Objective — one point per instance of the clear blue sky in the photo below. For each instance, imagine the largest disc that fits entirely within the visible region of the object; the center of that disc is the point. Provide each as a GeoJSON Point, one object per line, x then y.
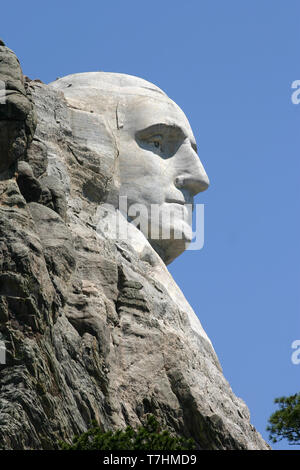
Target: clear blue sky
{"type": "Point", "coordinates": [229, 65]}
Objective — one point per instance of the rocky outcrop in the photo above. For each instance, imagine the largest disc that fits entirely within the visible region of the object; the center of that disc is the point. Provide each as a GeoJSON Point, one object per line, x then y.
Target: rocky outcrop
{"type": "Point", "coordinates": [17, 117]}
{"type": "Point", "coordinates": [92, 331]}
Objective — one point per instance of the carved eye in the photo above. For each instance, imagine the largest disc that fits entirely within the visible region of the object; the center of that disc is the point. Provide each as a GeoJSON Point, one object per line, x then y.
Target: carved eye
{"type": "Point", "coordinates": [156, 140]}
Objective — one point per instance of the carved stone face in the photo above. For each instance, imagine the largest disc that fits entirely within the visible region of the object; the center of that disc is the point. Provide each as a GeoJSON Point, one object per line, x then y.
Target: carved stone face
{"type": "Point", "coordinates": [157, 156]}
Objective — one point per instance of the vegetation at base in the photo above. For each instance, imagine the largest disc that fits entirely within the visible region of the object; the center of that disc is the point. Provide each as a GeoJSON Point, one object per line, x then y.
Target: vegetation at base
{"type": "Point", "coordinates": [147, 437]}
{"type": "Point", "coordinates": [285, 422]}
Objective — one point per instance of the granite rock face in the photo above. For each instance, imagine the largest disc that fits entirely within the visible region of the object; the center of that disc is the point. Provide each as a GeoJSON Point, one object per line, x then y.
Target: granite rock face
{"type": "Point", "coordinates": [93, 331]}
{"type": "Point", "coordinates": [17, 116]}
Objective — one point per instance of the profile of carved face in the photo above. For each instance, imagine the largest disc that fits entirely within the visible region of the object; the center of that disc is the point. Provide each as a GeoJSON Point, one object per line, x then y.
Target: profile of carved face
{"type": "Point", "coordinates": [155, 164]}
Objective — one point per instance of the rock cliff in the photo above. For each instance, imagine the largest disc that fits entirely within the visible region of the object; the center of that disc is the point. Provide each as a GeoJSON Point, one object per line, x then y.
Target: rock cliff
{"type": "Point", "coordinates": [93, 331]}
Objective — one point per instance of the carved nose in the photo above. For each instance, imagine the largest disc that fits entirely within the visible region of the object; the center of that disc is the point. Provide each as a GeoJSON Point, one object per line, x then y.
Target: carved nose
{"type": "Point", "coordinates": [190, 173]}
{"type": "Point", "coordinates": [195, 184]}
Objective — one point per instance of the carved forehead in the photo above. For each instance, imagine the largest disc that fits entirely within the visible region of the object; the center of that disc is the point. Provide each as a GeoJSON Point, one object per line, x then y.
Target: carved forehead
{"type": "Point", "coordinates": [99, 90]}
{"type": "Point", "coordinates": [132, 100]}
{"type": "Point", "coordinates": [142, 112]}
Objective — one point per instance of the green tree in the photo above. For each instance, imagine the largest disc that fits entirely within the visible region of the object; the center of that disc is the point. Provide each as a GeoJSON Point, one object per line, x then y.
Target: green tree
{"type": "Point", "coordinates": [285, 422]}
{"type": "Point", "coordinates": [148, 437]}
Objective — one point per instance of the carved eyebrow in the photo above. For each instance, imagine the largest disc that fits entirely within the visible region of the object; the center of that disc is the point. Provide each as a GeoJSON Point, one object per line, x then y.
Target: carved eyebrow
{"type": "Point", "coordinates": [194, 146]}
{"type": "Point", "coordinates": [160, 128]}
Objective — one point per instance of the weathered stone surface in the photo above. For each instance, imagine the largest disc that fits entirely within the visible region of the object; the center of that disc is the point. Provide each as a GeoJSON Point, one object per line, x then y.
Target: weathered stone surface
{"type": "Point", "coordinates": [95, 328]}
{"type": "Point", "coordinates": [17, 117]}
{"type": "Point", "coordinates": [29, 186]}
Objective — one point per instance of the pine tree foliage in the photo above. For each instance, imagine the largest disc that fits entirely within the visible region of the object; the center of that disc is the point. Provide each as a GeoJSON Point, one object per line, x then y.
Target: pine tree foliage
{"type": "Point", "coordinates": [147, 437]}
{"type": "Point", "coordinates": [285, 422]}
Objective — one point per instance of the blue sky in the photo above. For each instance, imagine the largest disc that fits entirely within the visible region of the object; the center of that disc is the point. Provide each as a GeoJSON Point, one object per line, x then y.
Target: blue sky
{"type": "Point", "coordinates": [230, 66]}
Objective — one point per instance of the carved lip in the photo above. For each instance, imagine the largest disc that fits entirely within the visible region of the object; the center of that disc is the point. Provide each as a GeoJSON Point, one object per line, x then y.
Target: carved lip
{"type": "Point", "coordinates": [175, 201]}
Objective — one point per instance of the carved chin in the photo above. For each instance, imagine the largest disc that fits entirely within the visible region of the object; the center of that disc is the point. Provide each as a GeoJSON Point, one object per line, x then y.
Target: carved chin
{"type": "Point", "coordinates": [180, 235]}
{"type": "Point", "coordinates": [168, 250]}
